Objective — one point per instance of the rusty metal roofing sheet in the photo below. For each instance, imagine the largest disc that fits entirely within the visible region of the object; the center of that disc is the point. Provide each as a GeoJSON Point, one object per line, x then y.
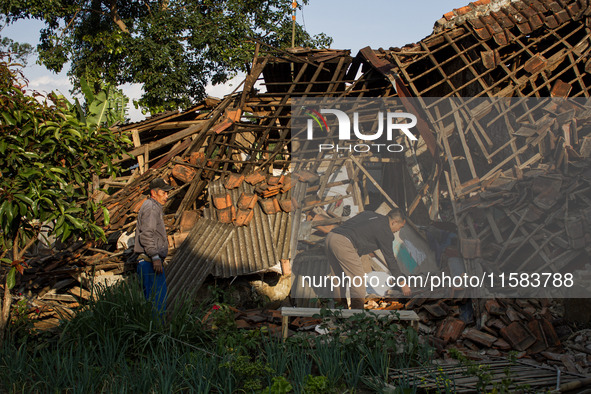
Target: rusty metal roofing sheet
{"type": "Point", "coordinates": [197, 255]}
{"type": "Point", "coordinates": [257, 247]}
{"type": "Point", "coordinates": [314, 263]}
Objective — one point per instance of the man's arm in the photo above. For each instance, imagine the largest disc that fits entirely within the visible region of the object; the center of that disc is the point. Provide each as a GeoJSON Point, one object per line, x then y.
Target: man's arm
{"type": "Point", "coordinates": [385, 239]}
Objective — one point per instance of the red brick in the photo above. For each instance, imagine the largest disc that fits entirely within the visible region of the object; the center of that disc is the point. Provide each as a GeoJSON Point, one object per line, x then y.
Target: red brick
{"type": "Point", "coordinates": [562, 16]}
{"type": "Point", "coordinates": [488, 59]}
{"type": "Point", "coordinates": [554, 7]}
{"type": "Point", "coordinates": [503, 19]}
{"type": "Point", "coordinates": [255, 177]}
{"type": "Point", "coordinates": [222, 201]}
{"type": "Point", "coordinates": [307, 177]}
{"type": "Point", "coordinates": [275, 180]}
{"type": "Point", "coordinates": [540, 344]}
{"type": "Point", "coordinates": [538, 6]}
{"type": "Point", "coordinates": [502, 344]}
{"type": "Point", "coordinates": [573, 10]}
{"type": "Point", "coordinates": [493, 307]}
{"type": "Point", "coordinates": [528, 12]}
{"type": "Point", "coordinates": [536, 22]}
{"type": "Point", "coordinates": [233, 181]}
{"type": "Point", "coordinates": [551, 22]}
{"type": "Point", "coordinates": [524, 28]}
{"type": "Point", "coordinates": [476, 23]}
{"type": "Point", "coordinates": [450, 329]}
{"type": "Point", "coordinates": [535, 64]}
{"type": "Point", "coordinates": [244, 217]}
{"type": "Point", "coordinates": [560, 89]}
{"type": "Point", "coordinates": [501, 39]}
{"type": "Point", "coordinates": [218, 128]}
{"type": "Point", "coordinates": [463, 10]}
{"type": "Point", "coordinates": [227, 215]}
{"type": "Point", "coordinates": [449, 16]}
{"type": "Point", "coordinates": [435, 310]}
{"type": "Point", "coordinates": [480, 337]}
{"type": "Point", "coordinates": [247, 201]}
{"type": "Point", "coordinates": [183, 173]}
{"type": "Point", "coordinates": [518, 336]}
{"type": "Point", "coordinates": [270, 205]}
{"type": "Point", "coordinates": [285, 205]}
{"type": "Point", "coordinates": [197, 158]}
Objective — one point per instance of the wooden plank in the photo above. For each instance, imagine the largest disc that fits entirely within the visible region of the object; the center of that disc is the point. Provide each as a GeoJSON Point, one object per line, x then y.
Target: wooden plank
{"type": "Point", "coordinates": [135, 136]}
{"type": "Point", "coordinates": [493, 226]}
{"type": "Point", "coordinates": [146, 158]}
{"type": "Point", "coordinates": [171, 139]}
{"type": "Point", "coordinates": [374, 182]}
{"type": "Point", "coordinates": [460, 131]}
{"type": "Point", "coordinates": [357, 199]}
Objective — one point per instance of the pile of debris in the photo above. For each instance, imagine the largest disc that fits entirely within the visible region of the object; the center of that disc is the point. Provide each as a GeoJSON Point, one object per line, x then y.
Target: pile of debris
{"type": "Point", "coordinates": [54, 286]}
{"type": "Point", "coordinates": [512, 175]}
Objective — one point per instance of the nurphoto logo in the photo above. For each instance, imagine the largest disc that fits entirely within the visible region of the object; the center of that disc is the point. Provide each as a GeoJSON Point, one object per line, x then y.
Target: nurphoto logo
{"type": "Point", "coordinates": [392, 122]}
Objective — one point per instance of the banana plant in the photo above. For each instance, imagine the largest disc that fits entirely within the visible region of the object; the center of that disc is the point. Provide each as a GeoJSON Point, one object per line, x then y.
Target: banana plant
{"type": "Point", "coordinates": [106, 107]}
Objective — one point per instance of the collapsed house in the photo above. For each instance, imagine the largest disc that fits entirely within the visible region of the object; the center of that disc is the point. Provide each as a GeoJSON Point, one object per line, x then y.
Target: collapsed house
{"type": "Point", "coordinates": [518, 196]}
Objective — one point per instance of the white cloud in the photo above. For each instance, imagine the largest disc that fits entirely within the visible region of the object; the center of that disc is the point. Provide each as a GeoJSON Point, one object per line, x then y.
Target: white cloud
{"type": "Point", "coordinates": [47, 82]}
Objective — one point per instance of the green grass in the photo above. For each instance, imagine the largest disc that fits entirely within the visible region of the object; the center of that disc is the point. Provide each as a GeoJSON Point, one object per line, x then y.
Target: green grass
{"type": "Point", "coordinates": [118, 344]}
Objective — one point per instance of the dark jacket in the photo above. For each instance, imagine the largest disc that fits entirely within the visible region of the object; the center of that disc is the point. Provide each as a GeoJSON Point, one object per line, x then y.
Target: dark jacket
{"type": "Point", "coordinates": [150, 233]}
{"type": "Point", "coordinates": [369, 231]}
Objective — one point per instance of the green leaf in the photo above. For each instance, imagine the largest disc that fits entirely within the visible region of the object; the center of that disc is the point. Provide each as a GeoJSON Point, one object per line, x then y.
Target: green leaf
{"type": "Point", "coordinates": [66, 234]}
{"type": "Point", "coordinates": [8, 119]}
{"type": "Point", "coordinates": [74, 221]}
{"type": "Point", "coordinates": [11, 278]}
{"type": "Point", "coordinates": [24, 198]}
{"type": "Point", "coordinates": [106, 216]}
{"type": "Point", "coordinates": [86, 90]}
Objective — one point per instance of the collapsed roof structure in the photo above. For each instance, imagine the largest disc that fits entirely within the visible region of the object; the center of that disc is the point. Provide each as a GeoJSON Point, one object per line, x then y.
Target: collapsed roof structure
{"type": "Point", "coordinates": [468, 156]}
{"type": "Point", "coordinates": [231, 160]}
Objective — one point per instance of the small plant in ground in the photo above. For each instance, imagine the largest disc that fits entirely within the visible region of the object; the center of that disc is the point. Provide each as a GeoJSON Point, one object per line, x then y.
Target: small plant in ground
{"type": "Point", "coordinates": [316, 384]}
{"type": "Point", "coordinates": [250, 373]}
{"type": "Point", "coordinates": [280, 385]}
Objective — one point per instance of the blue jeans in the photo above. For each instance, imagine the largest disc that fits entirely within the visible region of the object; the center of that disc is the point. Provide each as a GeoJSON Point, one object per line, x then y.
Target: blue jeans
{"type": "Point", "coordinates": [154, 285]}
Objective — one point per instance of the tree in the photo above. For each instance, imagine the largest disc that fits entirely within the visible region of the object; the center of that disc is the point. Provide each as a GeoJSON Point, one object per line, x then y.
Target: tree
{"type": "Point", "coordinates": [49, 153]}
{"type": "Point", "coordinates": [20, 51]}
{"type": "Point", "coordinates": [171, 47]}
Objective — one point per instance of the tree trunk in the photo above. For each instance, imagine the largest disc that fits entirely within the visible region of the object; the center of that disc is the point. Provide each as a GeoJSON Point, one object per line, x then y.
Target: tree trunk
{"type": "Point", "coordinates": [5, 311]}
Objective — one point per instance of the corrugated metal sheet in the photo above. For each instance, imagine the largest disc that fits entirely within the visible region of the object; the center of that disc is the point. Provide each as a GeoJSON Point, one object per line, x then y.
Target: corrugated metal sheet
{"type": "Point", "coordinates": [257, 247]}
{"type": "Point", "coordinates": [314, 263]}
{"type": "Point", "coordinates": [194, 260]}
{"type": "Point", "coordinates": [281, 225]}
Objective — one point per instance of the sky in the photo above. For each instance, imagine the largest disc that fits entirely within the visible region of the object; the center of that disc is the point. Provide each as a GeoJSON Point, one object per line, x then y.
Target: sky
{"type": "Point", "coordinates": [352, 24]}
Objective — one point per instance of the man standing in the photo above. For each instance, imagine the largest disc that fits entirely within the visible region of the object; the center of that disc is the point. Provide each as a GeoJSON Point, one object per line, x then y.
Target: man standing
{"type": "Point", "coordinates": [151, 243]}
{"type": "Point", "coordinates": [362, 234]}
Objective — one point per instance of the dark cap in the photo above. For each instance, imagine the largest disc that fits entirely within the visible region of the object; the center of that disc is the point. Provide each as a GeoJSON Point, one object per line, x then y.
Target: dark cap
{"type": "Point", "coordinates": [159, 183]}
